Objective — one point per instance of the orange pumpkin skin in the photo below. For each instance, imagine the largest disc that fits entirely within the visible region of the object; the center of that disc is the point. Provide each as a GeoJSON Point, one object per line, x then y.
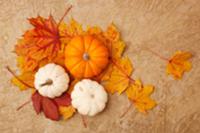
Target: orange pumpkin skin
{"type": "Point", "coordinates": [86, 56]}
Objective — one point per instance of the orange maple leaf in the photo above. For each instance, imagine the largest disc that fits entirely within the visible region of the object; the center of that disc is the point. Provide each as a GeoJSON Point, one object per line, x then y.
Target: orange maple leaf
{"type": "Point", "coordinates": [43, 41]}
{"type": "Point", "coordinates": [179, 64]}
{"type": "Point", "coordinates": [140, 96]}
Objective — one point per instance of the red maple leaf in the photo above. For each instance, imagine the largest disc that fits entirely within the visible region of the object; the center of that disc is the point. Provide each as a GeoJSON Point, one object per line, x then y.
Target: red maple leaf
{"type": "Point", "coordinates": [50, 106]}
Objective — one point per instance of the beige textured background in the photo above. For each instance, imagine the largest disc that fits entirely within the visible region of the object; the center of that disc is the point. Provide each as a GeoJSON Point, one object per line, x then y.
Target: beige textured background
{"type": "Point", "coordinates": [162, 25]}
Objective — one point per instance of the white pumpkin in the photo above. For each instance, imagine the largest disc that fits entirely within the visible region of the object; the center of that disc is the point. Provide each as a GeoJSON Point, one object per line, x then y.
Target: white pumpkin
{"type": "Point", "coordinates": [89, 97]}
{"type": "Point", "coordinates": [51, 80]}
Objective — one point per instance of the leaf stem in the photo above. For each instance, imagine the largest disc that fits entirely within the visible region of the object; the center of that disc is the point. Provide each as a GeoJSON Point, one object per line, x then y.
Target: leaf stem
{"type": "Point", "coordinates": [21, 106]}
{"type": "Point", "coordinates": [126, 111]}
{"type": "Point", "coordinates": [66, 12]}
{"type": "Point", "coordinates": [84, 121]}
{"type": "Point", "coordinates": [27, 85]}
{"type": "Point", "coordinates": [158, 55]}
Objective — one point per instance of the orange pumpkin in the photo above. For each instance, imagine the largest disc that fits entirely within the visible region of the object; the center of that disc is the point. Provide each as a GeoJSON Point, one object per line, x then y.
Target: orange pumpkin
{"type": "Point", "coordinates": [86, 56]}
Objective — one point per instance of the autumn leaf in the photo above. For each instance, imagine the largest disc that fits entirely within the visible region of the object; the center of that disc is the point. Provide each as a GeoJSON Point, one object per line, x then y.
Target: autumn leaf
{"type": "Point", "coordinates": [68, 31]}
{"type": "Point", "coordinates": [112, 33]}
{"type": "Point", "coordinates": [179, 64]}
{"type": "Point", "coordinates": [50, 109]}
{"type": "Point", "coordinates": [105, 74]}
{"type": "Point", "coordinates": [24, 80]}
{"type": "Point", "coordinates": [140, 96]}
{"type": "Point", "coordinates": [95, 30]}
{"type": "Point", "coordinates": [72, 84]}
{"type": "Point", "coordinates": [63, 100]}
{"type": "Point", "coordinates": [66, 112]}
{"type": "Point", "coordinates": [43, 41]}
{"type": "Point", "coordinates": [26, 64]}
{"type": "Point", "coordinates": [37, 102]}
{"type": "Point", "coordinates": [120, 76]}
{"type": "Point", "coordinates": [115, 45]}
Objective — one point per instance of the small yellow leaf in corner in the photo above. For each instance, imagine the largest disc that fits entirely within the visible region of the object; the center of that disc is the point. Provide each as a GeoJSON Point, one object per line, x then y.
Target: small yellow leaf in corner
{"type": "Point", "coordinates": [179, 64]}
{"type": "Point", "coordinates": [140, 96]}
{"type": "Point", "coordinates": [66, 112]}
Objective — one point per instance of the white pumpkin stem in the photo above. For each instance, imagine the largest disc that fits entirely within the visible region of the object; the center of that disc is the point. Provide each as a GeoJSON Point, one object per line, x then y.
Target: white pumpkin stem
{"type": "Point", "coordinates": [48, 82]}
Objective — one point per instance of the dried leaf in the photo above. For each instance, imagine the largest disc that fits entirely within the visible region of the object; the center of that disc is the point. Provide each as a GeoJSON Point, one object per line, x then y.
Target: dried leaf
{"type": "Point", "coordinates": [66, 112]}
{"type": "Point", "coordinates": [64, 100]}
{"type": "Point", "coordinates": [120, 76]}
{"type": "Point", "coordinates": [71, 87]}
{"type": "Point", "coordinates": [115, 45]}
{"type": "Point", "coordinates": [24, 81]}
{"type": "Point", "coordinates": [37, 102]}
{"type": "Point", "coordinates": [67, 31]}
{"type": "Point", "coordinates": [112, 33]}
{"type": "Point", "coordinates": [41, 42]}
{"type": "Point", "coordinates": [26, 64]}
{"type": "Point", "coordinates": [50, 109]}
{"type": "Point", "coordinates": [140, 96]}
{"type": "Point", "coordinates": [94, 30]}
{"type": "Point", "coordinates": [105, 74]}
{"type": "Point", "coordinates": [179, 64]}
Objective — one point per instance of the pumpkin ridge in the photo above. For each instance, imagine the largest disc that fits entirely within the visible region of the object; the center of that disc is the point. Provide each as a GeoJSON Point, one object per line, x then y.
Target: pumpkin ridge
{"type": "Point", "coordinates": [92, 63]}
{"type": "Point", "coordinates": [87, 68]}
{"type": "Point", "coordinates": [87, 50]}
{"type": "Point", "coordinates": [92, 43]}
{"type": "Point", "coordinates": [77, 65]}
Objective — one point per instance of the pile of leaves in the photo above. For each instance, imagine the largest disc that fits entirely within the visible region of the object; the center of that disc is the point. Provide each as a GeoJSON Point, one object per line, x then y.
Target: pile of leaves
{"type": "Point", "coordinates": [45, 43]}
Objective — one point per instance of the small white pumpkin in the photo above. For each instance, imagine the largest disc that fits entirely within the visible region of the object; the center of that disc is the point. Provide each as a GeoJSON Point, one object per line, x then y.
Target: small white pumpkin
{"type": "Point", "coordinates": [51, 80]}
{"type": "Point", "coordinates": [89, 97]}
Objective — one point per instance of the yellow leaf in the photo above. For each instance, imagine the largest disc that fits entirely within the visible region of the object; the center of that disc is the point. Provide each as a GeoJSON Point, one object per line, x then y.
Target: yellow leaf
{"type": "Point", "coordinates": [64, 35]}
{"type": "Point", "coordinates": [94, 30]}
{"type": "Point", "coordinates": [26, 64]}
{"type": "Point", "coordinates": [105, 74]}
{"type": "Point", "coordinates": [71, 29]}
{"type": "Point", "coordinates": [112, 33]}
{"type": "Point", "coordinates": [117, 49]}
{"type": "Point", "coordinates": [140, 96]}
{"type": "Point", "coordinates": [120, 76]}
{"type": "Point", "coordinates": [66, 112]}
{"type": "Point", "coordinates": [72, 83]}
{"type": "Point", "coordinates": [24, 81]}
{"type": "Point", "coordinates": [179, 64]}
{"type": "Point", "coordinates": [115, 45]}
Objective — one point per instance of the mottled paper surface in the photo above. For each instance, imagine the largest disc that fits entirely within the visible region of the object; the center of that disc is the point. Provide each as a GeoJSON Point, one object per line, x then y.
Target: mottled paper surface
{"type": "Point", "coordinates": [162, 25]}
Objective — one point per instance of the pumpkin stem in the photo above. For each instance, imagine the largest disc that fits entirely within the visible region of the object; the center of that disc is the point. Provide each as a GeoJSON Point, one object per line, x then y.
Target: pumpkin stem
{"type": "Point", "coordinates": [86, 56]}
{"type": "Point", "coordinates": [48, 82]}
